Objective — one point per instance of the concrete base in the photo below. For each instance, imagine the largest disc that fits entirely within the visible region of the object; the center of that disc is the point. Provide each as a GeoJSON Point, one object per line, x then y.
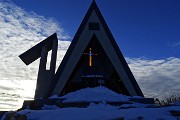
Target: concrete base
{"type": "Point", "coordinates": [143, 100]}
{"type": "Point", "coordinates": [39, 103]}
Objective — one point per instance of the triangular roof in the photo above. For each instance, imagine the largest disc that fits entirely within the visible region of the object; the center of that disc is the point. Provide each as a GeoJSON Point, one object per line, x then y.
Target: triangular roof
{"type": "Point", "coordinates": [79, 44]}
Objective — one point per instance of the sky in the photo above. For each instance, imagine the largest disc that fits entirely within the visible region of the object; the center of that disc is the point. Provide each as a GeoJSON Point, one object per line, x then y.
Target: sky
{"type": "Point", "coordinates": [147, 33]}
{"type": "Point", "coordinates": [149, 28]}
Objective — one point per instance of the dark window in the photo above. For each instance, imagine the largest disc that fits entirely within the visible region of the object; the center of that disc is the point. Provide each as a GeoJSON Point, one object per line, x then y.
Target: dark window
{"type": "Point", "coordinates": [94, 26]}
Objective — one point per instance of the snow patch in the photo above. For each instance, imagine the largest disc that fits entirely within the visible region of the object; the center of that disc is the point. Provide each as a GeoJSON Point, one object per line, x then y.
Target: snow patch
{"type": "Point", "coordinates": [96, 94]}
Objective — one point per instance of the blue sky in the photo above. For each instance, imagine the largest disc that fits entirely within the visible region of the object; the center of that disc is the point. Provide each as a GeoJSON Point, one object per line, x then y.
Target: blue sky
{"type": "Point", "coordinates": [142, 28]}
{"type": "Point", "coordinates": [147, 32]}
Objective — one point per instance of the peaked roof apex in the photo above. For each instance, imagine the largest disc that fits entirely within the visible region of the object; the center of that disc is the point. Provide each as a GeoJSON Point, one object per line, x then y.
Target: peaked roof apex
{"type": "Point", "coordinates": [67, 65]}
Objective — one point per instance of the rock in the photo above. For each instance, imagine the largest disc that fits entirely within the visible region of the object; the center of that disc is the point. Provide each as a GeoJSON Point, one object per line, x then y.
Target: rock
{"type": "Point", "coordinates": [10, 115]}
{"type": "Point", "coordinates": [14, 116]}
{"type": "Point", "coordinates": [21, 117]}
{"type": "Point", "coordinates": [175, 113]}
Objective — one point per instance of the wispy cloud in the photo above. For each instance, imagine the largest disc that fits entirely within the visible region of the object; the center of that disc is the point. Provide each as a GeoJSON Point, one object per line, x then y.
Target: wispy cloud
{"type": "Point", "coordinates": [156, 77]}
{"type": "Point", "coordinates": [175, 44]}
{"type": "Point", "coordinates": [19, 31]}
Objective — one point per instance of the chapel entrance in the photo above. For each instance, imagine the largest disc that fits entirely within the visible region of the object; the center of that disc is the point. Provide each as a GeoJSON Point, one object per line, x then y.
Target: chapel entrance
{"type": "Point", "coordinates": [93, 80]}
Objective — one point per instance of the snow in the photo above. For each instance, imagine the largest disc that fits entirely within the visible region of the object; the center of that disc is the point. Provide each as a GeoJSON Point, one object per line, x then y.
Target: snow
{"type": "Point", "coordinates": [99, 94]}
{"type": "Point", "coordinates": [177, 103]}
{"type": "Point", "coordinates": [135, 105]}
{"type": "Point", "coordinates": [50, 107]}
{"type": "Point", "coordinates": [100, 110]}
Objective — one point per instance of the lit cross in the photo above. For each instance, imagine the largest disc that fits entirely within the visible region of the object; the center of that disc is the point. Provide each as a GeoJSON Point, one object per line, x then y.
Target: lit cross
{"type": "Point", "coordinates": [90, 56]}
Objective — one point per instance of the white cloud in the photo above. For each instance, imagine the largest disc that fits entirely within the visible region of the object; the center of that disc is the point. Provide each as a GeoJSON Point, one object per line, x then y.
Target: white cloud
{"type": "Point", "coordinates": [19, 31]}
{"type": "Point", "coordinates": [156, 77]}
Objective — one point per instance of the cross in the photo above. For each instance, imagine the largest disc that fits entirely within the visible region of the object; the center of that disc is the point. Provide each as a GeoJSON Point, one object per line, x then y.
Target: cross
{"type": "Point", "coordinates": [90, 56]}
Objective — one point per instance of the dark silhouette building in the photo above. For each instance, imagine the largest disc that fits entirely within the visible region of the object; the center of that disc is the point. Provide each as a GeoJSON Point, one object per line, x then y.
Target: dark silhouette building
{"type": "Point", "coordinates": [93, 59]}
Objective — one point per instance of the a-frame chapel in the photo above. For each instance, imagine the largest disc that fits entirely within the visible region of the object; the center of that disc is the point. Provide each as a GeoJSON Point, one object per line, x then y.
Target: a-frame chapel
{"type": "Point", "coordinates": [92, 59]}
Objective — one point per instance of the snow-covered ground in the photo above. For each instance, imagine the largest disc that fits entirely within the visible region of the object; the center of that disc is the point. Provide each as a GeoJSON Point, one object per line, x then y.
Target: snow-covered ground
{"type": "Point", "coordinates": [102, 110]}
